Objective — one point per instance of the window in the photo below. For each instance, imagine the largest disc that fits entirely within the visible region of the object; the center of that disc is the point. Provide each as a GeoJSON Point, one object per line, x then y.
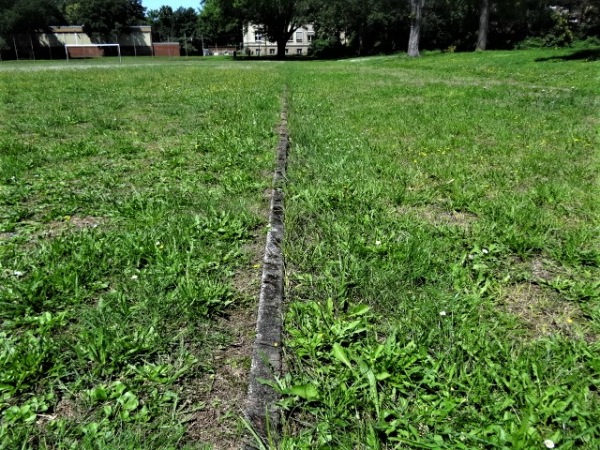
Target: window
{"type": "Point", "coordinates": [258, 51]}
{"type": "Point", "coordinates": [309, 37]}
{"type": "Point", "coordinates": [299, 51]}
{"type": "Point", "coordinates": [258, 37]}
{"type": "Point", "coordinates": [287, 50]}
{"type": "Point", "coordinates": [271, 51]}
{"type": "Point", "coordinates": [299, 37]}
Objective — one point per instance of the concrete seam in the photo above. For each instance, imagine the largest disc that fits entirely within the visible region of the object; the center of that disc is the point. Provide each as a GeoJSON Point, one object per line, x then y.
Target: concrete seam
{"type": "Point", "coordinates": [261, 412]}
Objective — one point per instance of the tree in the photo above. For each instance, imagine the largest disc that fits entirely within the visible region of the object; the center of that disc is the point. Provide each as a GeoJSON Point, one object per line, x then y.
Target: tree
{"type": "Point", "coordinates": [180, 25]}
{"type": "Point", "coordinates": [25, 16]}
{"type": "Point", "coordinates": [162, 23]}
{"type": "Point", "coordinates": [108, 17]}
{"type": "Point", "coordinates": [484, 23]}
{"type": "Point", "coordinates": [185, 23]}
{"type": "Point", "coordinates": [277, 19]}
{"type": "Point", "coordinates": [416, 19]}
{"type": "Point", "coordinates": [218, 23]}
{"type": "Point", "coordinates": [367, 25]}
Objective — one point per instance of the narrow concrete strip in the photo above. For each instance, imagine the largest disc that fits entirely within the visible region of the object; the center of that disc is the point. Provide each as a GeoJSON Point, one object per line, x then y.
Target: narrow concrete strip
{"type": "Point", "coordinates": [261, 412]}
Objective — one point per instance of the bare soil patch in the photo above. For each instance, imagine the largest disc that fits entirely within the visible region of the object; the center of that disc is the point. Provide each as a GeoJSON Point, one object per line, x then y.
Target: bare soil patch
{"type": "Point", "coordinates": [7, 236]}
{"type": "Point", "coordinates": [544, 313]}
{"type": "Point", "coordinates": [56, 228]}
{"type": "Point", "coordinates": [439, 216]}
{"type": "Point", "coordinates": [540, 270]}
{"type": "Point", "coordinates": [223, 392]}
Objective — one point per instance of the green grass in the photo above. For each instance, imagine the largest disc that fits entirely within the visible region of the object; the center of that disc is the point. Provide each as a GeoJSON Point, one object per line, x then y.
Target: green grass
{"type": "Point", "coordinates": [455, 196]}
{"type": "Point", "coordinates": [442, 250]}
{"type": "Point", "coordinates": [130, 201]}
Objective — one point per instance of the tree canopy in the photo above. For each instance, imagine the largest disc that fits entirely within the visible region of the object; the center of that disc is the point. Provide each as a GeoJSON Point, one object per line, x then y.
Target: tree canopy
{"type": "Point", "coordinates": [277, 19]}
{"type": "Point", "coordinates": [219, 24]}
{"type": "Point", "coordinates": [372, 26]}
{"type": "Point", "coordinates": [176, 25]}
{"type": "Point", "coordinates": [27, 15]}
{"type": "Point", "coordinates": [341, 26]}
{"type": "Point", "coordinates": [105, 17]}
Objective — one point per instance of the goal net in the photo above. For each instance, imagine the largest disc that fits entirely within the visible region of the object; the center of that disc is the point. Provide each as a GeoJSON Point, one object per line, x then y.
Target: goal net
{"type": "Point", "coordinates": [92, 50]}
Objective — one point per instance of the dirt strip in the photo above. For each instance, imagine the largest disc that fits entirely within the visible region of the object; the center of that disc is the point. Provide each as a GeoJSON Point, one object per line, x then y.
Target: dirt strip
{"type": "Point", "coordinates": [261, 412]}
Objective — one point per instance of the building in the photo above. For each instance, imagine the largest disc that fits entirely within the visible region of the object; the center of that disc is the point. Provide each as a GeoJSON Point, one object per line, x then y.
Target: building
{"type": "Point", "coordinates": [216, 50]}
{"type": "Point", "coordinates": [50, 43]}
{"type": "Point", "coordinates": [255, 43]}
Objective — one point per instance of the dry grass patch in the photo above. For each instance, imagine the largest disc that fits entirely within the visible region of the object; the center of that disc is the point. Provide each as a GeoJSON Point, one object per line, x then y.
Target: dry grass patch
{"type": "Point", "coordinates": [70, 223]}
{"type": "Point", "coordinates": [438, 216]}
{"type": "Point", "coordinates": [544, 313]}
{"type": "Point", "coordinates": [7, 236]}
{"type": "Point", "coordinates": [540, 270]}
{"type": "Point", "coordinates": [34, 230]}
{"type": "Point", "coordinates": [223, 392]}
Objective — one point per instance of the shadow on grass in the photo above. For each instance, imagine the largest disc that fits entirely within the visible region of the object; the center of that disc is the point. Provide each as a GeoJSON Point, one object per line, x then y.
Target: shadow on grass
{"type": "Point", "coordinates": [589, 54]}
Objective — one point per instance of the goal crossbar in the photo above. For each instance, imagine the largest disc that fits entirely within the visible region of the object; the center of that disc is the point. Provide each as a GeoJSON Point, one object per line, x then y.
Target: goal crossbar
{"type": "Point", "coordinates": [68, 46]}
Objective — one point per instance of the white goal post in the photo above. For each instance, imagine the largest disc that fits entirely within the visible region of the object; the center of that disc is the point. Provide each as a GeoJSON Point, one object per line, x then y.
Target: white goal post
{"type": "Point", "coordinates": [68, 46]}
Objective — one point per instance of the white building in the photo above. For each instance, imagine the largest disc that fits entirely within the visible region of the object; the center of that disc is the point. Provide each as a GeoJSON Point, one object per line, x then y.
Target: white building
{"type": "Point", "coordinates": [256, 44]}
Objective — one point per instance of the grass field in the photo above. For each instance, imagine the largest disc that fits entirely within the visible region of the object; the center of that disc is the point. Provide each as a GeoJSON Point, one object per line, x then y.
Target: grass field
{"type": "Point", "coordinates": [442, 251]}
{"type": "Point", "coordinates": [131, 222]}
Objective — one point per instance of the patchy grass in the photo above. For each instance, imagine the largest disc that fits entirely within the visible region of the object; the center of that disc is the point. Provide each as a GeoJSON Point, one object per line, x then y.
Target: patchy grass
{"type": "Point", "coordinates": [544, 313]}
{"type": "Point", "coordinates": [131, 201]}
{"type": "Point", "coordinates": [443, 253]}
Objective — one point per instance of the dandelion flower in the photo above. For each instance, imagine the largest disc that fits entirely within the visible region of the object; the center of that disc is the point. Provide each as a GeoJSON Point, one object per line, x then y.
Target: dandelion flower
{"type": "Point", "coordinates": [442, 313]}
{"type": "Point", "coordinates": [377, 242]}
{"type": "Point", "coordinates": [549, 443]}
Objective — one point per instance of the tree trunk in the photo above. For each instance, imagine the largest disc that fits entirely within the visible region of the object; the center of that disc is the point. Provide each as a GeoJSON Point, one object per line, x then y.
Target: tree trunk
{"type": "Point", "coordinates": [416, 15]}
{"type": "Point", "coordinates": [281, 43]}
{"type": "Point", "coordinates": [484, 23]}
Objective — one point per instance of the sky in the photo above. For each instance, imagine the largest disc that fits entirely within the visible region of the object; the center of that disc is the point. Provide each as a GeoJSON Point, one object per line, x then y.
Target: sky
{"type": "Point", "coordinates": [155, 4]}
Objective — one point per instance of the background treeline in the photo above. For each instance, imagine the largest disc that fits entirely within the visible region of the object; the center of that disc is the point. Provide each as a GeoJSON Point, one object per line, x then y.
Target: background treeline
{"type": "Point", "coordinates": [379, 26]}
{"type": "Point", "coordinates": [342, 26]}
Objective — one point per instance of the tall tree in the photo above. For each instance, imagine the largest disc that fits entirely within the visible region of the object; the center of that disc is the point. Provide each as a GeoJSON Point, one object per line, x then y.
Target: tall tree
{"type": "Point", "coordinates": [108, 17]}
{"type": "Point", "coordinates": [179, 25]}
{"type": "Point", "coordinates": [277, 19]}
{"type": "Point", "coordinates": [185, 21]}
{"type": "Point", "coordinates": [367, 25]}
{"type": "Point", "coordinates": [484, 23]}
{"type": "Point", "coordinates": [416, 19]}
{"type": "Point", "coordinates": [24, 16]}
{"type": "Point", "coordinates": [218, 23]}
{"type": "Point", "coordinates": [162, 23]}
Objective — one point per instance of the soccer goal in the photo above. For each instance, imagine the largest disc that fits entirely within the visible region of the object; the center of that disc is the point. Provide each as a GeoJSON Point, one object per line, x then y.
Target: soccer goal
{"type": "Point", "coordinates": [89, 50]}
